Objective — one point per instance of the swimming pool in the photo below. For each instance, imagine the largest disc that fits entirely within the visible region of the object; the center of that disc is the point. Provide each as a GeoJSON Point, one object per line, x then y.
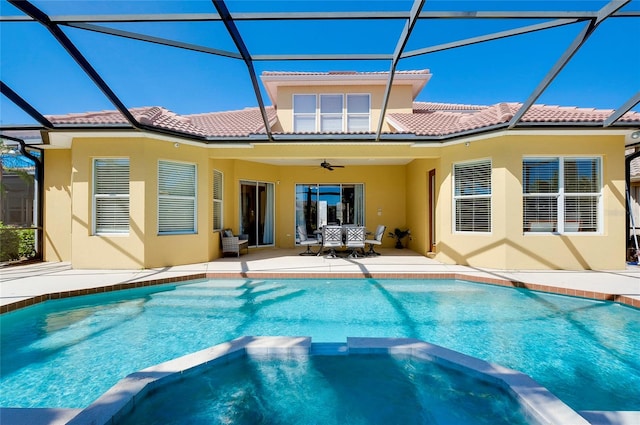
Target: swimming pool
{"type": "Point", "coordinates": [68, 352]}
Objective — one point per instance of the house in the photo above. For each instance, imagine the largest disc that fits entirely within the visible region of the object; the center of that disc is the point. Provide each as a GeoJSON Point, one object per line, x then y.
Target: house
{"type": "Point", "coordinates": [549, 194]}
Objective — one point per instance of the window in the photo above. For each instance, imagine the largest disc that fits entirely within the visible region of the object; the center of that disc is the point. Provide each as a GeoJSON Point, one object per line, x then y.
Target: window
{"type": "Point", "coordinates": [304, 112]}
{"type": "Point", "coordinates": [176, 197]}
{"type": "Point", "coordinates": [217, 200]}
{"type": "Point", "coordinates": [561, 195]}
{"type": "Point", "coordinates": [358, 112]}
{"type": "Point", "coordinates": [331, 112]}
{"type": "Point", "coordinates": [111, 196]}
{"type": "Point", "coordinates": [331, 115]}
{"type": "Point", "coordinates": [472, 196]}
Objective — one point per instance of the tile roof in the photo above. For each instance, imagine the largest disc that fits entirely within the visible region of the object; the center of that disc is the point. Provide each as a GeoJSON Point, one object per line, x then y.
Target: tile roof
{"type": "Point", "coordinates": [427, 119]}
{"type": "Point", "coordinates": [439, 119]}
{"type": "Point", "coordinates": [233, 123]}
{"type": "Point", "coordinates": [214, 124]}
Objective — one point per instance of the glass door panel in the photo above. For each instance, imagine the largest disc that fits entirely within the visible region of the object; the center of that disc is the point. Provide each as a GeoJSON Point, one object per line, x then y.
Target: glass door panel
{"type": "Point", "coordinates": [320, 204]}
{"type": "Point", "coordinates": [257, 212]}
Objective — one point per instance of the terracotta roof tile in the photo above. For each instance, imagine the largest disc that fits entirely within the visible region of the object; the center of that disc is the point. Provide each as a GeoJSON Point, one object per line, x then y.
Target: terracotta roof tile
{"type": "Point", "coordinates": [233, 123]}
{"type": "Point", "coordinates": [427, 119]}
{"type": "Point", "coordinates": [153, 116]}
{"type": "Point", "coordinates": [438, 119]}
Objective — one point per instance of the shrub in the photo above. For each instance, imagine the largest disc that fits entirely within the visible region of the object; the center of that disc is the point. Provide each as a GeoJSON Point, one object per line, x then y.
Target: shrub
{"type": "Point", "coordinates": [16, 244]}
{"type": "Point", "coordinates": [9, 244]}
{"type": "Point", "coordinates": [27, 247]}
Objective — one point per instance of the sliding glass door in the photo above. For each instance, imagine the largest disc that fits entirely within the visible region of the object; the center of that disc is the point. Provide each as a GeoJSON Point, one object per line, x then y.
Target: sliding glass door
{"type": "Point", "coordinates": [257, 212]}
{"type": "Point", "coordinates": [321, 204]}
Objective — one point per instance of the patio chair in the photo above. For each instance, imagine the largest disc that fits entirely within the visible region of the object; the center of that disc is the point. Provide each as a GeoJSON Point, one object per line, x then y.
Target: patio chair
{"type": "Point", "coordinates": [377, 240]}
{"type": "Point", "coordinates": [331, 239]}
{"type": "Point", "coordinates": [355, 240]}
{"type": "Point", "coordinates": [232, 244]}
{"type": "Point", "coordinates": [305, 241]}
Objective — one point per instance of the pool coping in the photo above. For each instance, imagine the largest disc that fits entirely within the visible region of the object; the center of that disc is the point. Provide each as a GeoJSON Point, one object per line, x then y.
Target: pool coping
{"type": "Point", "coordinates": [538, 404]}
{"type": "Point", "coordinates": [512, 283]}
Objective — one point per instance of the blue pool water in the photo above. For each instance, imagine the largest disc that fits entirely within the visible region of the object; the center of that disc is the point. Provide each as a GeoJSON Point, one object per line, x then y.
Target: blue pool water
{"type": "Point", "coordinates": [68, 352]}
{"type": "Point", "coordinates": [328, 390]}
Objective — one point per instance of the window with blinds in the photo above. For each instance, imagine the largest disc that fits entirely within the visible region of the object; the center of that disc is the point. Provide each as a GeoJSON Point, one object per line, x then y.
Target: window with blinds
{"type": "Point", "coordinates": [358, 112]}
{"type": "Point", "coordinates": [110, 196]}
{"type": "Point", "coordinates": [472, 196]}
{"type": "Point", "coordinates": [332, 113]}
{"type": "Point", "coordinates": [561, 195]}
{"type": "Point", "coordinates": [304, 112]}
{"type": "Point", "coordinates": [176, 197]}
{"type": "Point", "coordinates": [217, 200]}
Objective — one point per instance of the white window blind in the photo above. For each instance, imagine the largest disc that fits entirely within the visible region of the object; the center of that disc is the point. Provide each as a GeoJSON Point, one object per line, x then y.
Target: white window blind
{"type": "Point", "coordinates": [176, 197]}
{"type": "Point", "coordinates": [582, 194]}
{"type": "Point", "coordinates": [540, 179]}
{"type": "Point", "coordinates": [472, 196]}
{"type": "Point", "coordinates": [561, 195]}
{"type": "Point", "coordinates": [331, 112]}
{"type": "Point", "coordinates": [358, 112]}
{"type": "Point", "coordinates": [111, 195]}
{"type": "Point", "coordinates": [217, 200]}
{"type": "Point", "coordinates": [304, 112]}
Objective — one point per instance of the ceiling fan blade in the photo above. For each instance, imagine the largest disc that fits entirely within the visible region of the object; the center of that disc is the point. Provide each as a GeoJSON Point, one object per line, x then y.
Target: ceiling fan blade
{"type": "Point", "coordinates": [328, 166]}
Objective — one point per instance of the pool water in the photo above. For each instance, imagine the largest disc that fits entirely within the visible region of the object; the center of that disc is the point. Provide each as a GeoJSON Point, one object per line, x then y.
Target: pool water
{"type": "Point", "coordinates": [327, 390]}
{"type": "Point", "coordinates": [66, 353]}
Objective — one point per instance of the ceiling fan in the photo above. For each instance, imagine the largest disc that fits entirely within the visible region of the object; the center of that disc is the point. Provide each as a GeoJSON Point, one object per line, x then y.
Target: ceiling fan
{"type": "Point", "coordinates": [328, 166]}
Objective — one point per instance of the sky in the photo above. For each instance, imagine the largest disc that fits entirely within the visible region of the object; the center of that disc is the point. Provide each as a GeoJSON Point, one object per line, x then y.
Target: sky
{"type": "Point", "coordinates": [603, 74]}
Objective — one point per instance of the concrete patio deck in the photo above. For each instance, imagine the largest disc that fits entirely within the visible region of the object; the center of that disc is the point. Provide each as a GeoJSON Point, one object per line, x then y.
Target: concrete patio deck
{"type": "Point", "coordinates": [33, 283]}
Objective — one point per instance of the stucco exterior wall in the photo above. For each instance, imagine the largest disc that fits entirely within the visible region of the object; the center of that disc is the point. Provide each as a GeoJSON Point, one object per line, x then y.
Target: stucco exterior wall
{"type": "Point", "coordinates": [507, 246]}
{"type": "Point", "coordinates": [418, 202]}
{"type": "Point", "coordinates": [395, 195]}
{"type": "Point", "coordinates": [57, 205]}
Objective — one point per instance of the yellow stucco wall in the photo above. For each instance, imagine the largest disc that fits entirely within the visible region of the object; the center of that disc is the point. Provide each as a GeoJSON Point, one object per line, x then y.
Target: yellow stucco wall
{"type": "Point", "coordinates": [395, 195]}
{"type": "Point", "coordinates": [418, 202]}
{"type": "Point", "coordinates": [400, 100]}
{"type": "Point", "coordinates": [57, 205]}
{"type": "Point", "coordinates": [507, 246]}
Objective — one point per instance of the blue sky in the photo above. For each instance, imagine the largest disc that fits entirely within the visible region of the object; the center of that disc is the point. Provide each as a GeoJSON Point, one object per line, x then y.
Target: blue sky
{"type": "Point", "coordinates": [603, 74]}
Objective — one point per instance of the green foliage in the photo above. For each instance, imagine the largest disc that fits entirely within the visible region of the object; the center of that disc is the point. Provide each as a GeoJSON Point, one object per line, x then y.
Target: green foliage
{"type": "Point", "coordinates": [399, 235]}
{"type": "Point", "coordinates": [16, 244]}
{"type": "Point", "coordinates": [27, 247]}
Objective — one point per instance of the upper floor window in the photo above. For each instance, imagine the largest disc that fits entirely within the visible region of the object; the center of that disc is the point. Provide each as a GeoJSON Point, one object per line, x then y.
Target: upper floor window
{"type": "Point", "coordinates": [110, 195]}
{"type": "Point", "coordinates": [561, 195]}
{"type": "Point", "coordinates": [331, 112]}
{"type": "Point", "coordinates": [472, 196]}
{"type": "Point", "coordinates": [176, 197]}
{"type": "Point", "coordinates": [304, 113]}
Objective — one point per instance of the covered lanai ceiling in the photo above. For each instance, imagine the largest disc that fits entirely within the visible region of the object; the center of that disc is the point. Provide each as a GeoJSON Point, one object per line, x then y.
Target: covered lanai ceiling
{"type": "Point", "coordinates": [194, 57]}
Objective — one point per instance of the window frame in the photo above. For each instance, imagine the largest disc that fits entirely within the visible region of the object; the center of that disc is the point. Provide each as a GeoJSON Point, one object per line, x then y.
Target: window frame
{"type": "Point", "coordinates": [218, 201]}
{"type": "Point", "coordinates": [357, 114]}
{"type": "Point", "coordinates": [193, 198]}
{"type": "Point", "coordinates": [561, 196]}
{"type": "Point", "coordinates": [462, 197]}
{"type": "Point", "coordinates": [304, 114]}
{"type": "Point", "coordinates": [318, 115]}
{"type": "Point", "coordinates": [109, 196]}
{"type": "Point", "coordinates": [321, 114]}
